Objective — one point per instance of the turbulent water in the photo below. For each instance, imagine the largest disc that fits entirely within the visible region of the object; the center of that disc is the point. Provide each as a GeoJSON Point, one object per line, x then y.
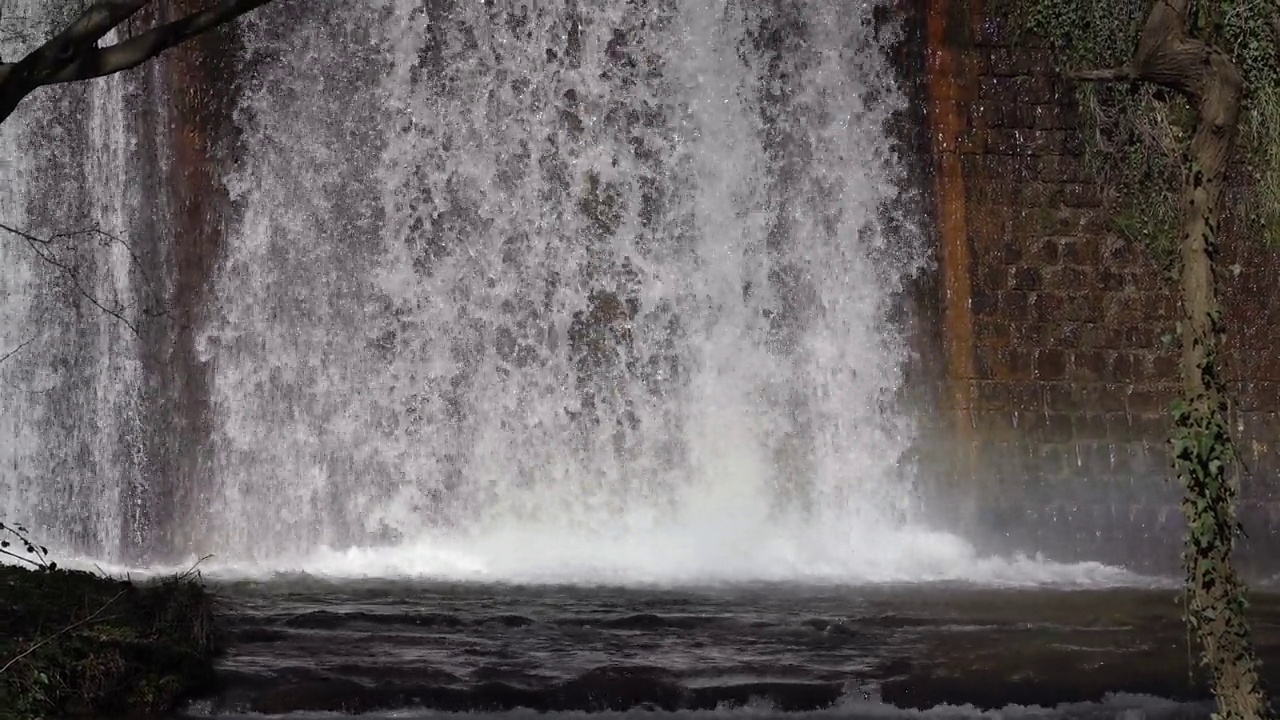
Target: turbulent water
{"type": "Point", "coordinates": [70, 378]}
{"type": "Point", "coordinates": [309, 647]}
{"type": "Point", "coordinates": [593, 281]}
{"type": "Point", "coordinates": [524, 291]}
{"type": "Point", "coordinates": [515, 300]}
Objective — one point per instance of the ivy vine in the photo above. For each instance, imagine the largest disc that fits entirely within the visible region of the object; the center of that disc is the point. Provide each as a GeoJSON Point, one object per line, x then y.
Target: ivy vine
{"type": "Point", "coordinates": [1136, 132]}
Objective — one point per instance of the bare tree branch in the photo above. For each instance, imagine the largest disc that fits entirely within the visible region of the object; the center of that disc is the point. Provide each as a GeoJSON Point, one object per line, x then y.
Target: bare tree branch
{"type": "Point", "coordinates": [15, 351]}
{"type": "Point", "coordinates": [36, 646]}
{"type": "Point", "coordinates": [46, 250]}
{"type": "Point", "coordinates": [74, 54]}
{"type": "Point", "coordinates": [82, 34]}
{"type": "Point", "coordinates": [1119, 74]}
{"type": "Point", "coordinates": [137, 50]}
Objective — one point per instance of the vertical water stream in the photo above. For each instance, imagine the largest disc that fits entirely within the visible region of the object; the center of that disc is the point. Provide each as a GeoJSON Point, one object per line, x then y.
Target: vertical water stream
{"type": "Point", "coordinates": [70, 422]}
{"type": "Point", "coordinates": [515, 273]}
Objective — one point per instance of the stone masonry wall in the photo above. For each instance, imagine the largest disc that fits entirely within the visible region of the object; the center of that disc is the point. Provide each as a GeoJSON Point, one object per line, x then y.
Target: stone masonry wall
{"type": "Point", "coordinates": [1064, 352]}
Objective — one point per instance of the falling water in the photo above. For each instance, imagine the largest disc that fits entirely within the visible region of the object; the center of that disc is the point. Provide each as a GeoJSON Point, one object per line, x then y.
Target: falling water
{"type": "Point", "coordinates": [510, 290]}
{"type": "Point", "coordinates": [70, 381]}
{"type": "Point", "coordinates": [580, 285]}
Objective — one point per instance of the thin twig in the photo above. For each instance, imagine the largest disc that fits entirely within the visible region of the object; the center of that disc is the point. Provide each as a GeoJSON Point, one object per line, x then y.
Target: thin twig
{"type": "Point", "coordinates": [14, 351]}
{"type": "Point", "coordinates": [63, 631]}
{"type": "Point", "coordinates": [192, 569]}
{"type": "Point", "coordinates": [41, 247]}
{"type": "Point", "coordinates": [1119, 74]}
{"type": "Point", "coordinates": [33, 563]}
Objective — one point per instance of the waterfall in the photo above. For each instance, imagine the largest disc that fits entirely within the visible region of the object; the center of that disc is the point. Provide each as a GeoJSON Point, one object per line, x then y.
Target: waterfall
{"type": "Point", "coordinates": [544, 277]}
{"type": "Point", "coordinates": [516, 290]}
{"type": "Point", "coordinates": [70, 460]}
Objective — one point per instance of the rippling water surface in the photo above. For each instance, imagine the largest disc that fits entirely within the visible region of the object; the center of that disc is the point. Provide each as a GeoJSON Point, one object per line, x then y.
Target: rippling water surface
{"type": "Point", "coordinates": [309, 648]}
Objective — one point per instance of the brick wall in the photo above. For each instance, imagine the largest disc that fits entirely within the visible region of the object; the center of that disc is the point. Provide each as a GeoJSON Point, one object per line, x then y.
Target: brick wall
{"type": "Point", "coordinates": [1058, 394]}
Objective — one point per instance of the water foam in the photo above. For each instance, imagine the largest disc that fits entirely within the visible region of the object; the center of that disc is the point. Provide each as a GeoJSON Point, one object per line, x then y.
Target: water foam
{"type": "Point", "coordinates": [70, 383]}
{"type": "Point", "coordinates": [692, 555]}
{"type": "Point", "coordinates": [398, 386]}
{"type": "Point", "coordinates": [1114, 706]}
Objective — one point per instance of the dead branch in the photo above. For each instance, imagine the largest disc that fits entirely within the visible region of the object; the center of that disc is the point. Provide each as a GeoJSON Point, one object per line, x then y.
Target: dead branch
{"type": "Point", "coordinates": [46, 249]}
{"type": "Point", "coordinates": [73, 54]}
{"type": "Point", "coordinates": [15, 351]}
{"type": "Point", "coordinates": [44, 641]}
{"type": "Point", "coordinates": [1120, 74]}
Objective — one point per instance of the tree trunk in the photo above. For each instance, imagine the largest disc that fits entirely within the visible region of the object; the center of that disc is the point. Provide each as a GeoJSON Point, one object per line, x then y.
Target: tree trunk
{"type": "Point", "coordinates": [1202, 446]}
{"type": "Point", "coordinates": [1203, 452]}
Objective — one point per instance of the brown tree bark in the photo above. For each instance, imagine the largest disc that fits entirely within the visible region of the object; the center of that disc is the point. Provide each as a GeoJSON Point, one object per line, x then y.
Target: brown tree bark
{"type": "Point", "coordinates": [73, 54]}
{"type": "Point", "coordinates": [1203, 452]}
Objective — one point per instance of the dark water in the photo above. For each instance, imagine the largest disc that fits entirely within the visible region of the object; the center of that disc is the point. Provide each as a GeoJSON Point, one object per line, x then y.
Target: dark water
{"type": "Point", "coordinates": [309, 649]}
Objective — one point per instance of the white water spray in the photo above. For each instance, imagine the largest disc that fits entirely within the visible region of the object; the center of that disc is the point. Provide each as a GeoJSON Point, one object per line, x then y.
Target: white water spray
{"type": "Point", "coordinates": [514, 292]}
{"type": "Point", "coordinates": [397, 358]}
{"type": "Point", "coordinates": [69, 420]}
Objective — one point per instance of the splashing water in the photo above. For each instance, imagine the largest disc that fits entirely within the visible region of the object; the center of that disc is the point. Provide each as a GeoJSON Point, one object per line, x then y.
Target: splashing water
{"type": "Point", "coordinates": [607, 296]}
{"type": "Point", "coordinates": [71, 378]}
{"type": "Point", "coordinates": [535, 292]}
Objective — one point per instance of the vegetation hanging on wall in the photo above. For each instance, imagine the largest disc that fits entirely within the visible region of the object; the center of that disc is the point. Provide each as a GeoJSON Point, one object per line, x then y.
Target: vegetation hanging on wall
{"type": "Point", "coordinates": [1179, 95]}
{"type": "Point", "coordinates": [1136, 132]}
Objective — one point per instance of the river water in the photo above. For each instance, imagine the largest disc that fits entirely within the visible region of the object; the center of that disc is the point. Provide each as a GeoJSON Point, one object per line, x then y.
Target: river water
{"type": "Point", "coordinates": [306, 647]}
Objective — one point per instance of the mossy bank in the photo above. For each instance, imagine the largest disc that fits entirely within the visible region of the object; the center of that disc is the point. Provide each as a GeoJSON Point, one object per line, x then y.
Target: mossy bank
{"type": "Point", "coordinates": [75, 644]}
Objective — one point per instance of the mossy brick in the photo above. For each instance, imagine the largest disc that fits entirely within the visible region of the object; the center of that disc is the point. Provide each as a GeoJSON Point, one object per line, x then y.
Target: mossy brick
{"type": "Point", "coordinates": [1004, 170]}
{"type": "Point", "coordinates": [1064, 169]}
{"type": "Point", "coordinates": [989, 281]}
{"type": "Point", "coordinates": [1079, 195]}
{"type": "Point", "coordinates": [1015, 305]}
{"type": "Point", "coordinates": [1127, 309]}
{"type": "Point", "coordinates": [1111, 280]}
{"type": "Point", "coordinates": [1152, 400]}
{"type": "Point", "coordinates": [1082, 307]}
{"type": "Point", "coordinates": [991, 396]}
{"type": "Point", "coordinates": [1069, 278]}
{"type": "Point", "coordinates": [1050, 364]}
{"type": "Point", "coordinates": [1012, 61]}
{"type": "Point", "coordinates": [992, 332]}
{"type": "Point", "coordinates": [1067, 334]}
{"type": "Point", "coordinates": [1122, 366]}
{"type": "Point", "coordinates": [1149, 334]}
{"type": "Point", "coordinates": [1006, 141]}
{"type": "Point", "coordinates": [1103, 336]}
{"type": "Point", "coordinates": [1036, 195]}
{"type": "Point", "coordinates": [1108, 396]}
{"type": "Point", "coordinates": [1025, 278]}
{"type": "Point", "coordinates": [992, 30]}
{"type": "Point", "coordinates": [1029, 334]}
{"type": "Point", "coordinates": [1080, 251]}
{"type": "Point", "coordinates": [1046, 307]}
{"type": "Point", "coordinates": [1043, 252]}
{"type": "Point", "coordinates": [1027, 395]}
{"type": "Point", "coordinates": [992, 363]}
{"type": "Point", "coordinates": [1088, 366]}
{"type": "Point", "coordinates": [1063, 396]}
{"type": "Point", "coordinates": [1057, 116]}
{"type": "Point", "coordinates": [982, 302]}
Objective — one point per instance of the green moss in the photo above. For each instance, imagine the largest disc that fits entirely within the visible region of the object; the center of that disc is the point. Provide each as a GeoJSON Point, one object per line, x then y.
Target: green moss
{"type": "Point", "coordinates": [1137, 132]}
{"type": "Point", "coordinates": [78, 644]}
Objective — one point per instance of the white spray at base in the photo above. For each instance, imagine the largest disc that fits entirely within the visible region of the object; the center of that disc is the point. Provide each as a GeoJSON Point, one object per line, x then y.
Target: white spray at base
{"type": "Point", "coordinates": [517, 292]}
{"type": "Point", "coordinates": [557, 293]}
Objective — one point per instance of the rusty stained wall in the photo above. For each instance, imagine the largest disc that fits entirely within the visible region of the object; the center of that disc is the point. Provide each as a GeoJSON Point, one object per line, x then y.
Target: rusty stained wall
{"type": "Point", "coordinates": [1058, 371]}
{"type": "Point", "coordinates": [185, 143]}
